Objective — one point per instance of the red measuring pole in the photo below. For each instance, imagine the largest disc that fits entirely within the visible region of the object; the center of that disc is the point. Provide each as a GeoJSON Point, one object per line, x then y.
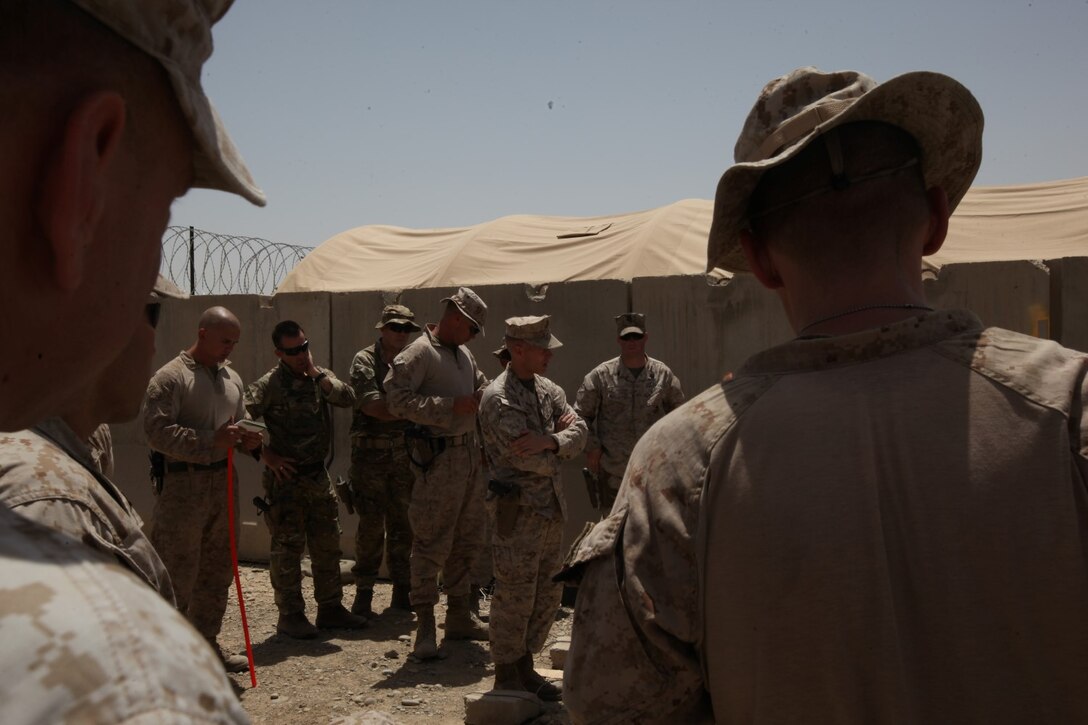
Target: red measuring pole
{"type": "Point", "coordinates": [234, 560]}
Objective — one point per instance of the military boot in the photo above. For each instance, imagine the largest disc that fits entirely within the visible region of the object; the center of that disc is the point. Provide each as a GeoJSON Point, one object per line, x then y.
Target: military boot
{"type": "Point", "coordinates": [535, 682]}
{"type": "Point", "coordinates": [231, 662]}
{"type": "Point", "coordinates": [461, 623]}
{"type": "Point", "coordinates": [401, 596]}
{"type": "Point", "coordinates": [426, 646]}
{"type": "Point", "coordinates": [334, 616]}
{"type": "Point", "coordinates": [296, 625]}
{"type": "Point", "coordinates": [364, 598]}
{"type": "Point", "coordinates": [507, 677]}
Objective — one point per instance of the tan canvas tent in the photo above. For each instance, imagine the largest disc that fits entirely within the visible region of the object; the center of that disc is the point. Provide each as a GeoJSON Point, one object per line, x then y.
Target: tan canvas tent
{"type": "Point", "coordinates": [997, 223]}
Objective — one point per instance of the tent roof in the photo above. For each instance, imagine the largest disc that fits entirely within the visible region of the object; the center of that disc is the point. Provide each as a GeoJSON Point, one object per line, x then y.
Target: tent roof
{"type": "Point", "coordinates": [1033, 221]}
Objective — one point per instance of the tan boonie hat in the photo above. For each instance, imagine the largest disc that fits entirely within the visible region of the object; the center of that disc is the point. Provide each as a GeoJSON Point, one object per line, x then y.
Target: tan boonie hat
{"type": "Point", "coordinates": [942, 116]}
{"type": "Point", "coordinates": [533, 330]}
{"type": "Point", "coordinates": [397, 314]}
{"type": "Point", "coordinates": [178, 34]}
{"type": "Point", "coordinates": [630, 322]}
{"type": "Point", "coordinates": [471, 306]}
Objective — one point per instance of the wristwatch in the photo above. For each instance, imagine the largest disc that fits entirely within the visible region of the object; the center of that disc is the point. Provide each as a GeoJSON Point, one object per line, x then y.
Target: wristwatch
{"type": "Point", "coordinates": [320, 376]}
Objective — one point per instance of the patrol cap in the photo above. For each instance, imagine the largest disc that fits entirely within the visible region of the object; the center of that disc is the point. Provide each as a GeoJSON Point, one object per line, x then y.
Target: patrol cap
{"type": "Point", "coordinates": [178, 34]}
{"type": "Point", "coordinates": [533, 330]}
{"type": "Point", "coordinates": [470, 304]}
{"type": "Point", "coordinates": [630, 322]}
{"type": "Point", "coordinates": [397, 314]}
{"type": "Point", "coordinates": [795, 109]}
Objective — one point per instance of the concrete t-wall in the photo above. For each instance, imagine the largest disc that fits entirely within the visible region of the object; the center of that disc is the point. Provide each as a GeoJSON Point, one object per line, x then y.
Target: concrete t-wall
{"type": "Point", "coordinates": [701, 332]}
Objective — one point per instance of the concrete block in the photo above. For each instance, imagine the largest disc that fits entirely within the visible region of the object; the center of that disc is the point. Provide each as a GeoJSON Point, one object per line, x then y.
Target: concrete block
{"type": "Point", "coordinates": [501, 707]}
{"type": "Point", "coordinates": [558, 653]}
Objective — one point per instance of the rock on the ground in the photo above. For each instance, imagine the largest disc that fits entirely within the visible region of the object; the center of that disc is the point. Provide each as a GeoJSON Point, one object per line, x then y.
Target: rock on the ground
{"type": "Point", "coordinates": [558, 652]}
{"type": "Point", "coordinates": [501, 707]}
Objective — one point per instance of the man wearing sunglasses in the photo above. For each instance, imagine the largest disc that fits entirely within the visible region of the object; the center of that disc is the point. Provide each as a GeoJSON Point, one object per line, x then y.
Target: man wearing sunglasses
{"type": "Point", "coordinates": [434, 382]}
{"type": "Point", "coordinates": [189, 417]}
{"type": "Point", "coordinates": [293, 398]}
{"type": "Point", "coordinates": [381, 474]}
{"type": "Point", "coordinates": [620, 399]}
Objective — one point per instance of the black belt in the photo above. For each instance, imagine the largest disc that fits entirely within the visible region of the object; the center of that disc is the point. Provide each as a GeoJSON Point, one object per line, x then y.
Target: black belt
{"type": "Point", "coordinates": [183, 467]}
{"type": "Point", "coordinates": [380, 443]}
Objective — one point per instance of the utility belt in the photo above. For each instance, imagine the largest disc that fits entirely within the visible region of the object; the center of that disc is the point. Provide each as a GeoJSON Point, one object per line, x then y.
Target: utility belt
{"type": "Point", "coordinates": [185, 467]}
{"type": "Point", "coordinates": [375, 443]}
{"type": "Point", "coordinates": [424, 447]}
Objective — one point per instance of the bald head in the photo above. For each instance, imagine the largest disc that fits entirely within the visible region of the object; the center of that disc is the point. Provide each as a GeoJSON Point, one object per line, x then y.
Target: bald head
{"type": "Point", "coordinates": [219, 331]}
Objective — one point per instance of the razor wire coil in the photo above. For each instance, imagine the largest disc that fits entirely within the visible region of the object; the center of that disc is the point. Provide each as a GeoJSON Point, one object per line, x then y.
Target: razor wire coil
{"type": "Point", "coordinates": [206, 263]}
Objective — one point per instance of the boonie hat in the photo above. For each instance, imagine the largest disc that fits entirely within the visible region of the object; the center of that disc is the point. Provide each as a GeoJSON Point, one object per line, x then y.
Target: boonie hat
{"type": "Point", "coordinates": [793, 110]}
{"type": "Point", "coordinates": [165, 288]}
{"type": "Point", "coordinates": [630, 322]}
{"type": "Point", "coordinates": [397, 314]}
{"type": "Point", "coordinates": [178, 34]}
{"type": "Point", "coordinates": [471, 306]}
{"type": "Point", "coordinates": [533, 330]}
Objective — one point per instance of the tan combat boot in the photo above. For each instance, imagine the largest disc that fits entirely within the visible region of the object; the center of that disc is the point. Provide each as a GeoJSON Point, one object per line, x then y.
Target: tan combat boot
{"type": "Point", "coordinates": [461, 623]}
{"type": "Point", "coordinates": [334, 616]}
{"type": "Point", "coordinates": [535, 682]}
{"type": "Point", "coordinates": [426, 645]}
{"type": "Point", "coordinates": [296, 626]}
{"type": "Point", "coordinates": [231, 662]}
{"type": "Point", "coordinates": [364, 599]}
{"type": "Point", "coordinates": [507, 678]}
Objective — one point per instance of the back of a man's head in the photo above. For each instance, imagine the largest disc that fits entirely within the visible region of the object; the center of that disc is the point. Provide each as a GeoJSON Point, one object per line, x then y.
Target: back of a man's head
{"type": "Point", "coordinates": [106, 124]}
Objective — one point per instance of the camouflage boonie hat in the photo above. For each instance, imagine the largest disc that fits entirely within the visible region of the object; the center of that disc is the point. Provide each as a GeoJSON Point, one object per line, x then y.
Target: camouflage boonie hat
{"type": "Point", "coordinates": [471, 306]}
{"type": "Point", "coordinates": [630, 322]}
{"type": "Point", "coordinates": [178, 34]}
{"type": "Point", "coordinates": [397, 314]}
{"type": "Point", "coordinates": [533, 330]}
{"type": "Point", "coordinates": [793, 110]}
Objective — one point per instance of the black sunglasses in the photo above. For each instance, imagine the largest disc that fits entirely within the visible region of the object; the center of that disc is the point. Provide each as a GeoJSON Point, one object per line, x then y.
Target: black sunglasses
{"type": "Point", "coordinates": [631, 336]}
{"type": "Point", "coordinates": [153, 310]}
{"type": "Point", "coordinates": [296, 350]}
{"type": "Point", "coordinates": [400, 327]}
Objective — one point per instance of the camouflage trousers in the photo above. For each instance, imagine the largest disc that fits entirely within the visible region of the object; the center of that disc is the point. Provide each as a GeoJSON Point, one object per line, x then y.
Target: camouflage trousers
{"type": "Point", "coordinates": [608, 488]}
{"type": "Point", "coordinates": [482, 568]}
{"type": "Point", "coordinates": [189, 529]}
{"type": "Point", "coordinates": [447, 517]}
{"type": "Point", "coordinates": [525, 599]}
{"type": "Point", "coordinates": [304, 514]}
{"type": "Point", "coordinates": [381, 490]}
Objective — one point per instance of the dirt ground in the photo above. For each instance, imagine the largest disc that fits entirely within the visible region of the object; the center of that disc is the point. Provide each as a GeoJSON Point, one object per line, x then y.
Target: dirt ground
{"type": "Point", "coordinates": [349, 672]}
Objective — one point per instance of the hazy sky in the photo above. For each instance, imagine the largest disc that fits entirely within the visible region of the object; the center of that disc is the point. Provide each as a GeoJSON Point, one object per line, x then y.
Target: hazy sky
{"type": "Point", "coordinates": [451, 113]}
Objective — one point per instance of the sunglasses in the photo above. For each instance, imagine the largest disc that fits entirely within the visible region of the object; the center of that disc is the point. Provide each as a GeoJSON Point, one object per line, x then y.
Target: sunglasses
{"type": "Point", "coordinates": [153, 310]}
{"type": "Point", "coordinates": [631, 336]}
{"type": "Point", "coordinates": [474, 330]}
{"type": "Point", "coordinates": [296, 350]}
{"type": "Point", "coordinates": [400, 327]}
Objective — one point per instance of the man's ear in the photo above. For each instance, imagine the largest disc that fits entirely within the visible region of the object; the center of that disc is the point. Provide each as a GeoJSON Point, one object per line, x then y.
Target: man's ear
{"type": "Point", "coordinates": [759, 260]}
{"type": "Point", "coordinates": [74, 189]}
{"type": "Point", "coordinates": [938, 221]}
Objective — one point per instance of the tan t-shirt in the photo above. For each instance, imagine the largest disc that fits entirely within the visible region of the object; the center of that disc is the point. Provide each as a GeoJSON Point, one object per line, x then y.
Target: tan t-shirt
{"type": "Point", "coordinates": [888, 526]}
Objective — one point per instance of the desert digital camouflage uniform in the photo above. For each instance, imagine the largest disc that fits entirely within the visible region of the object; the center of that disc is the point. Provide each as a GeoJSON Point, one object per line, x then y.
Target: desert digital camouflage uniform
{"type": "Point", "coordinates": [85, 641]}
{"type": "Point", "coordinates": [305, 512]}
{"type": "Point", "coordinates": [185, 404]}
{"type": "Point", "coordinates": [47, 476]}
{"type": "Point", "coordinates": [619, 407]}
{"type": "Point", "coordinates": [447, 508]}
{"type": "Point", "coordinates": [100, 445]}
{"type": "Point", "coordinates": [381, 477]}
{"type": "Point", "coordinates": [526, 558]}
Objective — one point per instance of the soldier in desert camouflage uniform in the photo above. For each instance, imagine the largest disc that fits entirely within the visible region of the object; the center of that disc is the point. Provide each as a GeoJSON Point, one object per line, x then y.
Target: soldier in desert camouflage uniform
{"type": "Point", "coordinates": [112, 125]}
{"type": "Point", "coordinates": [381, 474]}
{"type": "Point", "coordinates": [435, 383]}
{"type": "Point", "coordinates": [620, 399]}
{"type": "Point", "coordinates": [293, 398]}
{"type": "Point", "coordinates": [523, 419]}
{"type": "Point", "coordinates": [189, 416]}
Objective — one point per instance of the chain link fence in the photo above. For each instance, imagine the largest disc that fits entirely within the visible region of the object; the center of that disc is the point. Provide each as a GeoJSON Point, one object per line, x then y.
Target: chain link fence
{"type": "Point", "coordinates": [204, 263]}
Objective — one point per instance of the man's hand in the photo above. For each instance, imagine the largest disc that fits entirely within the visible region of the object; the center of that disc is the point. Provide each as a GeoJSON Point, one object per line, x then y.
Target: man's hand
{"type": "Point", "coordinates": [465, 405]}
{"type": "Point", "coordinates": [593, 461]}
{"type": "Point", "coordinates": [311, 369]}
{"type": "Point", "coordinates": [530, 443]}
{"type": "Point", "coordinates": [282, 467]}
{"type": "Point", "coordinates": [566, 421]}
{"type": "Point", "coordinates": [251, 439]}
{"type": "Point", "coordinates": [228, 435]}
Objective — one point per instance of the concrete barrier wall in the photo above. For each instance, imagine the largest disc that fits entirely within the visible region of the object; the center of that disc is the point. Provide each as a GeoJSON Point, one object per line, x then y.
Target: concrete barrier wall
{"type": "Point", "coordinates": [701, 332]}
